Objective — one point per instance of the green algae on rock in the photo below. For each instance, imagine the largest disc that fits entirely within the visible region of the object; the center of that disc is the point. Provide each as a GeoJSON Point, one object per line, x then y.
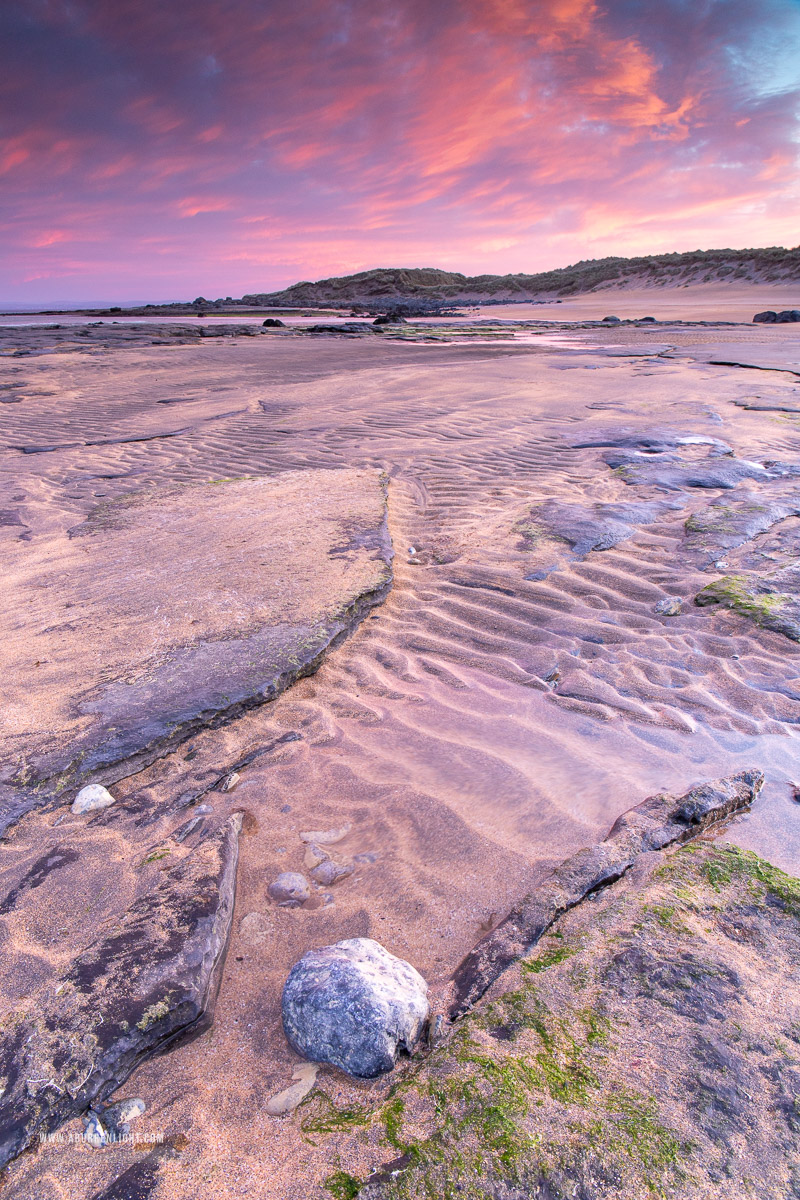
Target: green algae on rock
{"type": "Point", "coordinates": [650, 1049]}
{"type": "Point", "coordinates": [760, 599]}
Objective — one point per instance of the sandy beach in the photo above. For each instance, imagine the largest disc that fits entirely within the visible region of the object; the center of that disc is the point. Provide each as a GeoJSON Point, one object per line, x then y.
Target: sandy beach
{"type": "Point", "coordinates": [539, 665]}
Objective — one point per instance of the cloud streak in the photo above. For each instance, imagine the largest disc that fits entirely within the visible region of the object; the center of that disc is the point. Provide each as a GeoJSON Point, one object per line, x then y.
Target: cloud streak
{"type": "Point", "coordinates": [236, 145]}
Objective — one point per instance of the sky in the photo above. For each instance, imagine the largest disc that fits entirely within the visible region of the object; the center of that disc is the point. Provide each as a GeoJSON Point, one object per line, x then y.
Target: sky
{"type": "Point", "coordinates": [164, 149]}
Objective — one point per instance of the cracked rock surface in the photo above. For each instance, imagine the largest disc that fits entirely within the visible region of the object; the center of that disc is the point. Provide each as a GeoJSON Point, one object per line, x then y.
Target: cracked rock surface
{"type": "Point", "coordinates": [150, 979]}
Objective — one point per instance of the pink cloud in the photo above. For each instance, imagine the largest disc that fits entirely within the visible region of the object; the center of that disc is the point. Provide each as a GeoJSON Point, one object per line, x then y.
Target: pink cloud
{"type": "Point", "coordinates": [311, 138]}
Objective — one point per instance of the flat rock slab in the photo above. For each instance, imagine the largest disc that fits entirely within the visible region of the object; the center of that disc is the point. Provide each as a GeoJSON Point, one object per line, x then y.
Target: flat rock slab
{"type": "Point", "coordinates": [599, 527]}
{"type": "Point", "coordinates": [674, 473]}
{"type": "Point", "coordinates": [148, 980]}
{"type": "Point", "coordinates": [725, 524]}
{"type": "Point", "coordinates": [772, 602]}
{"type": "Point", "coordinates": [175, 608]}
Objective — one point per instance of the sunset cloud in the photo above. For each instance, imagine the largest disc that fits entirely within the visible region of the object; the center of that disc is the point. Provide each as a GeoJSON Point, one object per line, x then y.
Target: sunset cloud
{"type": "Point", "coordinates": [239, 145]}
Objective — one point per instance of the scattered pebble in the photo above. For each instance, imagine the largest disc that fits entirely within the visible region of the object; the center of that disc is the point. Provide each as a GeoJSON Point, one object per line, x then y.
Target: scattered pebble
{"type": "Point", "coordinates": [670, 606]}
{"type": "Point", "coordinates": [314, 854]}
{"type": "Point", "coordinates": [290, 890]}
{"type": "Point", "coordinates": [117, 1117]}
{"type": "Point", "coordinates": [92, 797]}
{"type": "Point", "coordinates": [94, 1132]}
{"type": "Point", "coordinates": [230, 782]}
{"type": "Point", "coordinates": [435, 1030]}
{"type": "Point", "coordinates": [721, 565]}
{"type": "Point", "coordinates": [288, 1100]}
{"type": "Point", "coordinates": [106, 1125]}
{"type": "Point", "coordinates": [329, 872]}
{"type": "Point", "coordinates": [325, 837]}
{"type": "Point", "coordinates": [366, 857]}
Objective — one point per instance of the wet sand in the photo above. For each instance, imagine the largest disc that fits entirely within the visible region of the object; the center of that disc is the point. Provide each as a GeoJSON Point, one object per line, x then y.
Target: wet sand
{"type": "Point", "coordinates": [479, 726]}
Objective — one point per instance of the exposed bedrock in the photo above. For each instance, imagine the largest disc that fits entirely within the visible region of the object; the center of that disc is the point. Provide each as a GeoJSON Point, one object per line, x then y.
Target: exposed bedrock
{"type": "Point", "coordinates": [177, 608]}
{"type": "Point", "coordinates": [654, 441]}
{"type": "Point", "coordinates": [599, 527]}
{"type": "Point", "coordinates": [772, 602]}
{"type": "Point", "coordinates": [647, 1046]}
{"type": "Point", "coordinates": [674, 473]}
{"type": "Point", "coordinates": [727, 524]}
{"type": "Point", "coordinates": [148, 981]}
{"type": "Point", "coordinates": [656, 823]}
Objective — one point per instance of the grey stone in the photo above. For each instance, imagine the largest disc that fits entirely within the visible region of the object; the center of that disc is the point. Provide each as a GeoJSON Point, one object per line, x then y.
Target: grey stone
{"type": "Point", "coordinates": [354, 1005]}
{"type": "Point", "coordinates": [92, 797]}
{"type": "Point", "coordinates": [290, 889]}
{"type": "Point", "coordinates": [670, 606]}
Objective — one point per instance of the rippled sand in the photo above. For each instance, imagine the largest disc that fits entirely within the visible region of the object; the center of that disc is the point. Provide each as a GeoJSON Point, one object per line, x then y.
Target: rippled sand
{"type": "Point", "coordinates": [479, 726]}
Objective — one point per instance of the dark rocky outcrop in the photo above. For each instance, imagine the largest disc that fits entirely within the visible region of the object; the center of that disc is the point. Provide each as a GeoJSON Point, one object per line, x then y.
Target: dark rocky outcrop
{"type": "Point", "coordinates": [675, 473]}
{"type": "Point", "coordinates": [771, 602]}
{"type": "Point", "coordinates": [149, 981]}
{"type": "Point", "coordinates": [597, 528]}
{"type": "Point", "coordinates": [770, 317]}
{"type": "Point", "coordinates": [726, 524]}
{"type": "Point", "coordinates": [660, 821]}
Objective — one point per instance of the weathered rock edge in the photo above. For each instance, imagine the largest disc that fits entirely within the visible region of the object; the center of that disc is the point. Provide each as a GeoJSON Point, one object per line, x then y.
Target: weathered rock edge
{"type": "Point", "coordinates": [114, 759]}
{"type": "Point", "coordinates": [151, 980]}
{"type": "Point", "coordinates": [660, 821]}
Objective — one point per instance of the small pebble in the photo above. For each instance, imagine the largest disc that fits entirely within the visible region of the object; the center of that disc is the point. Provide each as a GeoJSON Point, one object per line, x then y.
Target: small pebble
{"type": "Point", "coordinates": [670, 606]}
{"type": "Point", "coordinates": [92, 797]}
{"type": "Point", "coordinates": [117, 1117]}
{"type": "Point", "coordinates": [721, 565]}
{"type": "Point", "coordinates": [314, 855]}
{"type": "Point", "coordinates": [230, 781]}
{"type": "Point", "coordinates": [325, 837]}
{"type": "Point", "coordinates": [329, 872]}
{"type": "Point", "coordinates": [288, 1100]}
{"type": "Point", "coordinates": [286, 808]}
{"type": "Point", "coordinates": [94, 1131]}
{"type": "Point", "coordinates": [366, 857]}
{"type": "Point", "coordinates": [290, 890]}
{"type": "Point", "coordinates": [255, 928]}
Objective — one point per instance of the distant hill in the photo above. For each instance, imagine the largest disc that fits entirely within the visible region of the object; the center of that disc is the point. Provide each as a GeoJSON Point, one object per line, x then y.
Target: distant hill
{"type": "Point", "coordinates": [429, 287]}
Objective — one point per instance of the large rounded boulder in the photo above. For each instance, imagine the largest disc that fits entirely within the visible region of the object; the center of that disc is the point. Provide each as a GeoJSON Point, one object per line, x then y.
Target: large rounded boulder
{"type": "Point", "coordinates": [354, 1005]}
